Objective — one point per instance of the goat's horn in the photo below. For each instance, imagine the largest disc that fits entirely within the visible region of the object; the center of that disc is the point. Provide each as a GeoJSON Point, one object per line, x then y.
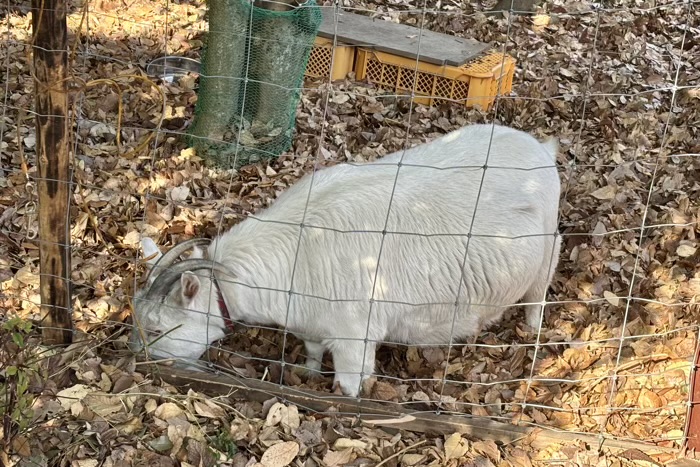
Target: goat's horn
{"type": "Point", "coordinates": [169, 276]}
{"type": "Point", "coordinates": [172, 254]}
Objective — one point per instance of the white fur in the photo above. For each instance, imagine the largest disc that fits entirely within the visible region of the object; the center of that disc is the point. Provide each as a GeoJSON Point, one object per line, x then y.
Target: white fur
{"type": "Point", "coordinates": [418, 279]}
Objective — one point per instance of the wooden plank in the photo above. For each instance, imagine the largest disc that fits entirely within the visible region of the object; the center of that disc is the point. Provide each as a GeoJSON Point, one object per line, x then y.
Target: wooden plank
{"type": "Point", "coordinates": [388, 414]}
{"type": "Point", "coordinates": [399, 39]}
{"type": "Point", "coordinates": [51, 106]}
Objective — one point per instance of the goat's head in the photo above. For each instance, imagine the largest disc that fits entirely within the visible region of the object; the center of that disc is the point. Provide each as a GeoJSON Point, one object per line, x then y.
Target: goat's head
{"type": "Point", "coordinates": [176, 313]}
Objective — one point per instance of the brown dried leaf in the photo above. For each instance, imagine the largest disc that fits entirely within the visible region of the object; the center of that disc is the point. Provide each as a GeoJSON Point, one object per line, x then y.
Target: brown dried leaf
{"type": "Point", "coordinates": [347, 443]}
{"type": "Point", "coordinates": [611, 298]}
{"type": "Point", "coordinates": [73, 394]}
{"type": "Point", "coordinates": [634, 454]}
{"type": "Point", "coordinates": [685, 250]}
{"type": "Point", "coordinates": [167, 411]}
{"type": "Point", "coordinates": [279, 455]}
{"type": "Point", "coordinates": [276, 413]}
{"type": "Point", "coordinates": [337, 458]}
{"type": "Point", "coordinates": [605, 193]}
{"type": "Point", "coordinates": [208, 409]}
{"type": "Point", "coordinates": [199, 455]}
{"type": "Point", "coordinates": [649, 400]}
{"type": "Point", "coordinates": [487, 448]}
{"type": "Point", "coordinates": [412, 459]}
{"type": "Point", "coordinates": [20, 445]}
{"type": "Point", "coordinates": [103, 405]}
{"type": "Point", "coordinates": [384, 391]}
{"type": "Point", "coordinates": [455, 446]}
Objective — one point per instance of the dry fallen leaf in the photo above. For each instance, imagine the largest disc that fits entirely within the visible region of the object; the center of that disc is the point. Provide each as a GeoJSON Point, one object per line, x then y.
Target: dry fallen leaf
{"type": "Point", "coordinates": [275, 414]}
{"type": "Point", "coordinates": [104, 405]}
{"type": "Point", "coordinates": [487, 448]}
{"type": "Point", "coordinates": [73, 394]}
{"type": "Point", "coordinates": [455, 446]}
{"type": "Point", "coordinates": [684, 250]}
{"type": "Point", "coordinates": [384, 391]}
{"type": "Point", "coordinates": [412, 459]}
{"type": "Point", "coordinates": [208, 409]}
{"type": "Point", "coordinates": [179, 193]}
{"type": "Point", "coordinates": [279, 455]}
{"type": "Point", "coordinates": [86, 463]}
{"type": "Point", "coordinates": [649, 400]}
{"type": "Point", "coordinates": [347, 443]}
{"type": "Point", "coordinates": [338, 458]}
{"type": "Point", "coordinates": [20, 445]}
{"type": "Point", "coordinates": [611, 298]}
{"type": "Point", "coordinates": [167, 411]}
{"type": "Point", "coordinates": [607, 192]}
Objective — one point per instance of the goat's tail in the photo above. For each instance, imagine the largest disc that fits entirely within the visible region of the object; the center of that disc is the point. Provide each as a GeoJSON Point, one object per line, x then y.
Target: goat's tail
{"type": "Point", "coordinates": [551, 145]}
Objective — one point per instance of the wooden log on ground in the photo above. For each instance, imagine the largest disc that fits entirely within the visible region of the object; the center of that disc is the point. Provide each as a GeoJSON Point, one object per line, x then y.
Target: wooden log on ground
{"type": "Point", "coordinates": [52, 152]}
{"type": "Point", "coordinates": [389, 415]}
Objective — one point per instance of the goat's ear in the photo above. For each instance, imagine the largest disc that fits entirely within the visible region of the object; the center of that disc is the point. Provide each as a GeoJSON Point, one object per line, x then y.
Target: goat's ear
{"type": "Point", "coordinates": [150, 251]}
{"type": "Point", "coordinates": [190, 286]}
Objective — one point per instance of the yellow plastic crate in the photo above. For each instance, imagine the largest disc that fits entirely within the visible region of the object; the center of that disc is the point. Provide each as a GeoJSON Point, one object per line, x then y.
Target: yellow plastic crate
{"type": "Point", "coordinates": [319, 65]}
{"type": "Point", "coordinates": [475, 83]}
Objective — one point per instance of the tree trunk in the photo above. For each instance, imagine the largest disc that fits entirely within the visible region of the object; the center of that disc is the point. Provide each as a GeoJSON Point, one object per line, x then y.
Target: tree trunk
{"type": "Point", "coordinates": [52, 153]}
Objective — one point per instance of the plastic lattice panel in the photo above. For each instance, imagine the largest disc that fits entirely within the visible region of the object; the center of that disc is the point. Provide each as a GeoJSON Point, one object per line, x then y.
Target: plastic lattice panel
{"type": "Point", "coordinates": [425, 83]}
{"type": "Point", "coordinates": [486, 63]}
{"type": "Point", "coordinates": [374, 71]}
{"type": "Point", "coordinates": [319, 62]}
{"type": "Point", "coordinates": [407, 78]}
{"type": "Point", "coordinates": [389, 76]}
{"type": "Point", "coordinates": [460, 91]}
{"type": "Point", "coordinates": [443, 87]}
{"type": "Point", "coordinates": [475, 84]}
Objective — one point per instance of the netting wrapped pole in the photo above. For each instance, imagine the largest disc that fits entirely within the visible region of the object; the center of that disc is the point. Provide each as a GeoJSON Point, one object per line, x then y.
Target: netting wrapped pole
{"type": "Point", "coordinates": [280, 45]}
{"type": "Point", "coordinates": [52, 154]}
{"type": "Point", "coordinates": [252, 70]}
{"type": "Point", "coordinates": [222, 73]}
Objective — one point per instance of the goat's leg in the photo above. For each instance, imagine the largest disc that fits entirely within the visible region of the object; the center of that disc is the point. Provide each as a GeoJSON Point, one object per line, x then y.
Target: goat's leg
{"type": "Point", "coordinates": [535, 311]}
{"type": "Point", "coordinates": [354, 363]}
{"type": "Point", "coordinates": [314, 356]}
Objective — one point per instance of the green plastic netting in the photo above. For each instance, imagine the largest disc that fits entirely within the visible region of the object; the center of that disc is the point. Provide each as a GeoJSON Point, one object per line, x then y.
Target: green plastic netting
{"type": "Point", "coordinates": [252, 70]}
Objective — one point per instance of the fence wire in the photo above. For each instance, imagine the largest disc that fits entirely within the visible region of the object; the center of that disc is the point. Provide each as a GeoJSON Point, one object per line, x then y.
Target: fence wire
{"type": "Point", "coordinates": [614, 352]}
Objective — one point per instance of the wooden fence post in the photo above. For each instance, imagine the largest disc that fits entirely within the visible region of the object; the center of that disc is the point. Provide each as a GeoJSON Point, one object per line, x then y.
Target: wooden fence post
{"type": "Point", "coordinates": [50, 50]}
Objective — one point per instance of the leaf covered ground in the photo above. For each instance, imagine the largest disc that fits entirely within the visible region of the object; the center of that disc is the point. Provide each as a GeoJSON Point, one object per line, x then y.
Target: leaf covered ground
{"type": "Point", "coordinates": [617, 82]}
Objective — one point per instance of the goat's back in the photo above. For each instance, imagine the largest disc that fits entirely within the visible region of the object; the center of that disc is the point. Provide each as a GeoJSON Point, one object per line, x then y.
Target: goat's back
{"type": "Point", "coordinates": [436, 188]}
{"type": "Point", "coordinates": [418, 225]}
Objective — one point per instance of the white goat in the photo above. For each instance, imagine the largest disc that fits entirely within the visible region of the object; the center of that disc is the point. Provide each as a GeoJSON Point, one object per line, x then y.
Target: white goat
{"type": "Point", "coordinates": [426, 257]}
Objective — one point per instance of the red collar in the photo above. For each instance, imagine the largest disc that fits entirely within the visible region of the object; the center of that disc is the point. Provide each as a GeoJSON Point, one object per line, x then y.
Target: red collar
{"type": "Point", "coordinates": [223, 308]}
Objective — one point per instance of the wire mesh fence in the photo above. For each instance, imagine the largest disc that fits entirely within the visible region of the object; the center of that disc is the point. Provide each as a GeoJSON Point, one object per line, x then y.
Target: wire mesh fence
{"type": "Point", "coordinates": [616, 82]}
